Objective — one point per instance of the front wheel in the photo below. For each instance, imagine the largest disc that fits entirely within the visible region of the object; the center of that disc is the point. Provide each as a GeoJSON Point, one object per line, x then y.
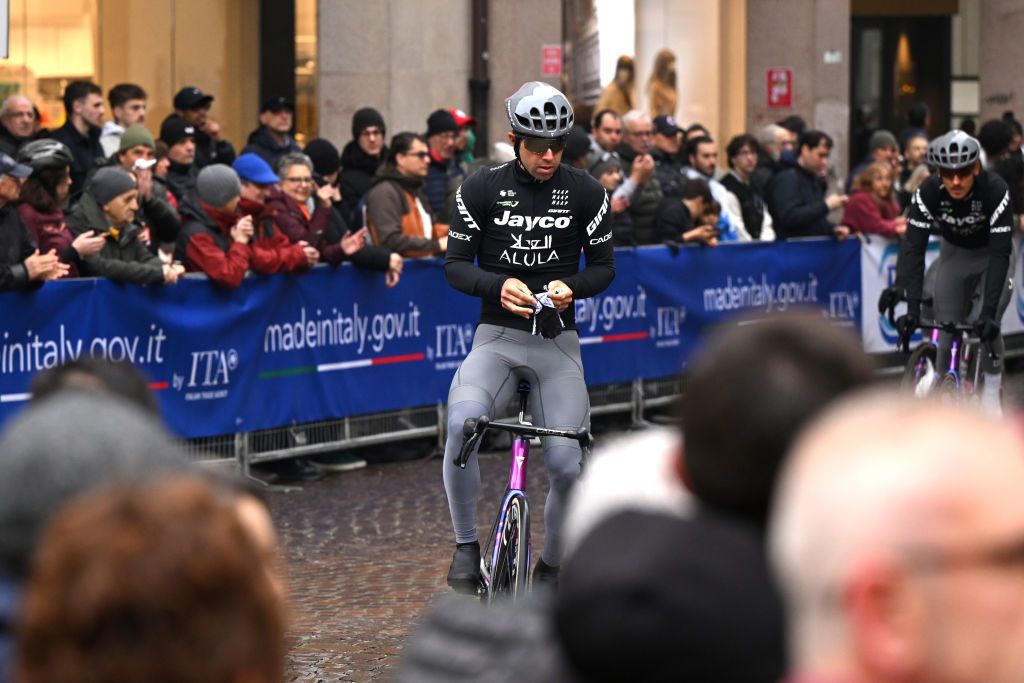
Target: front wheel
{"type": "Point", "coordinates": [919, 373]}
{"type": "Point", "coordinates": [949, 388]}
{"type": "Point", "coordinates": [510, 570]}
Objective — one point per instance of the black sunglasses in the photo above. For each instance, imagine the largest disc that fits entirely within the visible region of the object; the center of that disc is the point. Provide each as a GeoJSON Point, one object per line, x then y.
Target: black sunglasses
{"type": "Point", "coordinates": [541, 145]}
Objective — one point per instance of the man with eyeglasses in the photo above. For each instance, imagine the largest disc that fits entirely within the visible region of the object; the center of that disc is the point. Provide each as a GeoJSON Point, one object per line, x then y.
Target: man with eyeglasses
{"type": "Point", "coordinates": [638, 166]}
{"type": "Point", "coordinates": [515, 242]}
{"type": "Point", "coordinates": [973, 212]}
{"type": "Point", "coordinates": [444, 173]}
{"type": "Point", "coordinates": [360, 159]}
{"type": "Point", "coordinates": [897, 538]}
{"type": "Point", "coordinates": [17, 121]}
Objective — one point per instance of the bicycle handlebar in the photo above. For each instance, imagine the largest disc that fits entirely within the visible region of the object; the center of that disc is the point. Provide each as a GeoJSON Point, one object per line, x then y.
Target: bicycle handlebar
{"type": "Point", "coordinates": [473, 430]}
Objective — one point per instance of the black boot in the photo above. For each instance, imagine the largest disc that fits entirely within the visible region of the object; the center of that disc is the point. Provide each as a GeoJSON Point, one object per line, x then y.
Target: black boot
{"type": "Point", "coordinates": [464, 574]}
{"type": "Point", "coordinates": [545, 576]}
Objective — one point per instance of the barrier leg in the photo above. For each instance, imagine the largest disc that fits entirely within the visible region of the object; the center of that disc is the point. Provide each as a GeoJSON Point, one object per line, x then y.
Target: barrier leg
{"type": "Point", "coordinates": [637, 400]}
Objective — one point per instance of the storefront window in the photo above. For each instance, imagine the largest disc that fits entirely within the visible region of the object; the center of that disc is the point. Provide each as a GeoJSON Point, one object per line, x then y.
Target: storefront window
{"type": "Point", "coordinates": [307, 122]}
{"type": "Point", "coordinates": [52, 42]}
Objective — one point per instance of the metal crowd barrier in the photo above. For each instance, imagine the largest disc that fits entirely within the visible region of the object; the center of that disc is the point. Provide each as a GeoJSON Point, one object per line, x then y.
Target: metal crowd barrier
{"type": "Point", "coordinates": [244, 449]}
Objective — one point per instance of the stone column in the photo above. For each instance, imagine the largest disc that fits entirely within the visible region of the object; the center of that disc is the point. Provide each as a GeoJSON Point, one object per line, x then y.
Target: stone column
{"type": "Point", "coordinates": [1001, 80]}
{"type": "Point", "coordinates": [812, 38]}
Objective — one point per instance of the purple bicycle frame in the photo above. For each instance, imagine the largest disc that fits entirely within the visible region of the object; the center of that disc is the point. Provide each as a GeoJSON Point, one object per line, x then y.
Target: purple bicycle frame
{"type": "Point", "coordinates": [520, 458]}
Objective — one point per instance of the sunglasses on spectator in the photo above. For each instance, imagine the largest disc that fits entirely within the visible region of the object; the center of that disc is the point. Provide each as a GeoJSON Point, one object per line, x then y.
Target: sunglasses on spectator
{"type": "Point", "coordinates": [960, 173]}
{"type": "Point", "coordinates": [421, 155]}
{"type": "Point", "coordinates": [541, 145]}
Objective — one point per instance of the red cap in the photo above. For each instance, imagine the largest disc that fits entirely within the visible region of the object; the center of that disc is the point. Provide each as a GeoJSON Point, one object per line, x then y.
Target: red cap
{"type": "Point", "coordinates": [462, 118]}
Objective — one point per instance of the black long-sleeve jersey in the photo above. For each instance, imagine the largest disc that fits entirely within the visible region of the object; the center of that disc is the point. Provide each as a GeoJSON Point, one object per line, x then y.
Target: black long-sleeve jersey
{"type": "Point", "coordinates": [981, 220]}
{"type": "Point", "coordinates": [513, 225]}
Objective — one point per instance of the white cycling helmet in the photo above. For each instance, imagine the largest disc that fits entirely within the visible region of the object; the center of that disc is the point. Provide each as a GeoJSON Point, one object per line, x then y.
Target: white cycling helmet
{"type": "Point", "coordinates": [539, 110]}
{"type": "Point", "coordinates": [955, 149]}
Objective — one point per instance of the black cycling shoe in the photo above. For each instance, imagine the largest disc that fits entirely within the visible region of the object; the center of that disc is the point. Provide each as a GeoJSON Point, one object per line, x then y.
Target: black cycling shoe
{"type": "Point", "coordinates": [464, 574]}
{"type": "Point", "coordinates": [545, 576]}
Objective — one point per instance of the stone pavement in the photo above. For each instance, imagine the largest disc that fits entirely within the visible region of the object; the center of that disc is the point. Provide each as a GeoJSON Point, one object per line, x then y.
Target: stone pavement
{"type": "Point", "coordinates": [367, 553]}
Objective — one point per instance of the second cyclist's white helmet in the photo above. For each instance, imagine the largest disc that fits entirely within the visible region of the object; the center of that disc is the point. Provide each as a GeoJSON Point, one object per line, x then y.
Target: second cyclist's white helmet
{"type": "Point", "coordinates": [539, 110]}
{"type": "Point", "coordinates": [955, 149]}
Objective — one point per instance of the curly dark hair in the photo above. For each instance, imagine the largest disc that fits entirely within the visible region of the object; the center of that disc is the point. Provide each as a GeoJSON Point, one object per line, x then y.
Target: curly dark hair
{"type": "Point", "coordinates": [161, 583]}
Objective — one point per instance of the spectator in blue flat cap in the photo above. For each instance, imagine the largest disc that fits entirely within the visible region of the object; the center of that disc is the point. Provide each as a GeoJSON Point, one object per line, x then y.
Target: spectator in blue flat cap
{"type": "Point", "coordinates": [272, 251]}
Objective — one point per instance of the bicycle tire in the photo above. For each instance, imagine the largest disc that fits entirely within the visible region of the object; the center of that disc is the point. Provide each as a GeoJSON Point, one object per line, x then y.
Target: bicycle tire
{"type": "Point", "coordinates": [511, 569]}
{"type": "Point", "coordinates": [920, 364]}
{"type": "Point", "coordinates": [949, 387]}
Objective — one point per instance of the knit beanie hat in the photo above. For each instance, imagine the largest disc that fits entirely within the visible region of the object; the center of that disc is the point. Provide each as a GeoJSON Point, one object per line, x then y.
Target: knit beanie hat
{"type": "Point", "coordinates": [364, 118]}
{"type": "Point", "coordinates": [136, 135]}
{"type": "Point", "coordinates": [577, 144]}
{"type": "Point", "coordinates": [110, 182]}
{"type": "Point", "coordinates": [605, 163]}
{"type": "Point", "coordinates": [218, 184]}
{"type": "Point", "coordinates": [880, 139]}
{"type": "Point", "coordinates": [324, 156]}
{"type": "Point", "coordinates": [441, 121]}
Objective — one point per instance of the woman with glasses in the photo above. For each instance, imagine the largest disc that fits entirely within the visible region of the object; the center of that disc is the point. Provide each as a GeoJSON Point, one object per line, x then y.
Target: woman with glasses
{"type": "Point", "coordinates": [302, 210]}
{"type": "Point", "coordinates": [971, 208]}
{"type": "Point", "coordinates": [397, 211]}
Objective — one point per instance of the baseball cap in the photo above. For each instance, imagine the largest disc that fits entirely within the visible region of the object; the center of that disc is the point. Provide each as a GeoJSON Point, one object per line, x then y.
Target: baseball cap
{"type": "Point", "coordinates": [666, 125]}
{"type": "Point", "coordinates": [276, 104]}
{"type": "Point", "coordinates": [8, 166]}
{"type": "Point", "coordinates": [252, 168]}
{"type": "Point", "coordinates": [462, 118]}
{"type": "Point", "coordinates": [191, 97]}
{"type": "Point", "coordinates": [175, 129]}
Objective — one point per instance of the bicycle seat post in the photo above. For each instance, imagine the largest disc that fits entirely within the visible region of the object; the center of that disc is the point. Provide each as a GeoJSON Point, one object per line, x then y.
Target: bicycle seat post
{"type": "Point", "coordinates": [524, 397]}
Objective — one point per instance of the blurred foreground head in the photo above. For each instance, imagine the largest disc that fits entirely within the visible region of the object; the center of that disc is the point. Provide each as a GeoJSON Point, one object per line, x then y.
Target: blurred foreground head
{"type": "Point", "coordinates": [898, 539]}
{"type": "Point", "coordinates": [162, 583]}
{"type": "Point", "coordinates": [748, 392]}
{"type": "Point", "coordinates": [66, 445]}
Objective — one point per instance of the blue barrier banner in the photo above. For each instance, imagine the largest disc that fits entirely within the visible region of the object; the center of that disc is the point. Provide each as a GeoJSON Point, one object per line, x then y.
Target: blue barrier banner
{"type": "Point", "coordinates": [292, 349]}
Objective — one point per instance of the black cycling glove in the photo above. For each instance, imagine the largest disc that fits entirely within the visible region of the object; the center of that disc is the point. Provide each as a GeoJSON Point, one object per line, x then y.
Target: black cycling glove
{"type": "Point", "coordinates": [986, 328]}
{"type": "Point", "coordinates": [888, 299]}
{"type": "Point", "coordinates": [906, 325]}
{"type": "Point", "coordinates": [546, 320]}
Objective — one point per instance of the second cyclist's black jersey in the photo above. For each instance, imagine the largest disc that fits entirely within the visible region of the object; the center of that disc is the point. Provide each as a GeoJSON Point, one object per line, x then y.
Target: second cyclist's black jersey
{"type": "Point", "coordinates": [515, 226]}
{"type": "Point", "coordinates": [981, 220]}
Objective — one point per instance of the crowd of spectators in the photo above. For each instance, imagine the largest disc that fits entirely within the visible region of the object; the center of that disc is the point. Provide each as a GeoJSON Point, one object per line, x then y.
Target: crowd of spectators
{"type": "Point", "coordinates": [142, 225]}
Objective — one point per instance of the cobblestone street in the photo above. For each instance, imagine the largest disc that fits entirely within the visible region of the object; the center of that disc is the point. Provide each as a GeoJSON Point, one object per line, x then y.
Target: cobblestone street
{"type": "Point", "coordinates": [367, 554]}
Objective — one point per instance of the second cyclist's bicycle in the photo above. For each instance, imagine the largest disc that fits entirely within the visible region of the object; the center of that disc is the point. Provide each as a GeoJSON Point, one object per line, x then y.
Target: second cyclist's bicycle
{"type": "Point", "coordinates": [505, 555]}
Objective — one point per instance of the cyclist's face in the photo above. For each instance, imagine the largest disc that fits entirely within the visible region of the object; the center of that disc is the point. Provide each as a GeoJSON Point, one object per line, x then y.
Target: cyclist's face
{"type": "Point", "coordinates": [540, 166]}
{"type": "Point", "coordinates": [958, 182]}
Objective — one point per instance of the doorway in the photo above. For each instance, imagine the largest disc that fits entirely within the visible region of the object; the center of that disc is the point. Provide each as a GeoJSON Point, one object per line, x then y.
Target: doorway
{"type": "Point", "coordinates": [897, 61]}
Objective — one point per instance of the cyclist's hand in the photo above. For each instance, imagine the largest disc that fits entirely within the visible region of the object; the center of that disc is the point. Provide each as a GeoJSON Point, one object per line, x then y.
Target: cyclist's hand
{"type": "Point", "coordinates": [517, 298]}
{"type": "Point", "coordinates": [888, 299]}
{"type": "Point", "coordinates": [906, 325]}
{"type": "Point", "coordinates": [987, 329]}
{"type": "Point", "coordinates": [561, 295]}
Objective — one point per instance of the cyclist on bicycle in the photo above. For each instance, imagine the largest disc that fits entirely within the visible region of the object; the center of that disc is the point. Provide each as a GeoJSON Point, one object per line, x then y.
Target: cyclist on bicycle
{"type": "Point", "coordinates": [971, 208]}
{"type": "Point", "coordinates": [524, 223]}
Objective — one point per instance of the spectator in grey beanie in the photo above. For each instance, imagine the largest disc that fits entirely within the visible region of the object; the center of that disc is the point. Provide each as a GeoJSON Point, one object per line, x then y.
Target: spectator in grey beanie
{"type": "Point", "coordinates": [882, 148]}
{"type": "Point", "coordinates": [110, 207]}
{"type": "Point", "coordinates": [214, 237]}
{"type": "Point", "coordinates": [359, 162]}
{"type": "Point", "coordinates": [71, 443]}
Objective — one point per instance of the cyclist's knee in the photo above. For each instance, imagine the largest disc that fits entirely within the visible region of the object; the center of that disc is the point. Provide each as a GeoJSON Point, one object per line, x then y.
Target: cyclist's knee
{"type": "Point", "coordinates": [459, 412]}
{"type": "Point", "coordinates": [563, 463]}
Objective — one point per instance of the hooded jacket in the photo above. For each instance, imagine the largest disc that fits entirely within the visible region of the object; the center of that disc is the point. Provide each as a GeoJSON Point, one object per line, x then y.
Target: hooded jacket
{"type": "Point", "coordinates": [298, 225]}
{"type": "Point", "coordinates": [357, 171]}
{"type": "Point", "coordinates": [394, 217]}
{"type": "Point", "coordinates": [206, 246]}
{"type": "Point", "coordinates": [262, 143]}
{"type": "Point", "coordinates": [125, 256]}
{"type": "Point", "coordinates": [272, 251]}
